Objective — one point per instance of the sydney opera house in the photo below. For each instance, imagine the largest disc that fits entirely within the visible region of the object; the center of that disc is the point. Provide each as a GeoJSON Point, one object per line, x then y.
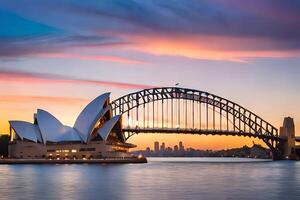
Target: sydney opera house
{"type": "Point", "coordinates": [95, 134]}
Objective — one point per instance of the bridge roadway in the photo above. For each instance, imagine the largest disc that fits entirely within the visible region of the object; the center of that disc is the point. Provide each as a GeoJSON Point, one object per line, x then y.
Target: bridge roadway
{"type": "Point", "coordinates": [137, 130]}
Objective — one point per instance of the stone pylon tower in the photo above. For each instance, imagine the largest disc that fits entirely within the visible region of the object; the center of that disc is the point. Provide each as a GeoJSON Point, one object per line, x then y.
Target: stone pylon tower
{"type": "Point", "coordinates": [287, 131]}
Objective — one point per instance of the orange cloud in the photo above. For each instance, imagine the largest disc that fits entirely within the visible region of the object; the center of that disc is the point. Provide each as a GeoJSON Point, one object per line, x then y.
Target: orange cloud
{"type": "Point", "coordinates": [219, 48]}
{"type": "Point", "coordinates": [92, 57]}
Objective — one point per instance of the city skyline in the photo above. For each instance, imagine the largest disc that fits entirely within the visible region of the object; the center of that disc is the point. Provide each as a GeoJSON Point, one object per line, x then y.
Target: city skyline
{"type": "Point", "coordinates": [255, 151]}
{"type": "Point", "coordinates": [157, 148]}
{"type": "Point", "coordinates": [48, 62]}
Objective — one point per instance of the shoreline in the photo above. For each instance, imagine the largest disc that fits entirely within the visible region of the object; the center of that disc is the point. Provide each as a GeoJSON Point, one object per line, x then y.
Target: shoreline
{"type": "Point", "coordinates": [77, 161]}
{"type": "Point", "coordinates": [207, 160]}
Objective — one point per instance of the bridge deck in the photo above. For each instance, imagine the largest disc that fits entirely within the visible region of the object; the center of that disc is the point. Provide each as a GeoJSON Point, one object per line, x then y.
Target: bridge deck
{"type": "Point", "coordinates": [199, 132]}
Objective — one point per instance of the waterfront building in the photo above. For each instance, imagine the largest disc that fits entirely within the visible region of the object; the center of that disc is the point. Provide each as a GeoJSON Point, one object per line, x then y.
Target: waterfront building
{"type": "Point", "coordinates": [95, 134]}
{"type": "Point", "coordinates": [169, 149]}
{"type": "Point", "coordinates": [148, 150]}
{"type": "Point", "coordinates": [156, 146]}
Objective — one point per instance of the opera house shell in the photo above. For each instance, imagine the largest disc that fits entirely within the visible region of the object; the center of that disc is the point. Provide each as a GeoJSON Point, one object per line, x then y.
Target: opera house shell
{"type": "Point", "coordinates": [95, 134]}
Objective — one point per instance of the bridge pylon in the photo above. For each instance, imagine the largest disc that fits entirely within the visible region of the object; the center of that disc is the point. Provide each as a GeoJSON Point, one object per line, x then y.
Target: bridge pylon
{"type": "Point", "coordinates": [287, 132]}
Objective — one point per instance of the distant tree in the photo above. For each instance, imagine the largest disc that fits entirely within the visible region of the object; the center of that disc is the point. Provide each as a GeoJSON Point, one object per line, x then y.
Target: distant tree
{"type": "Point", "coordinates": [4, 140]}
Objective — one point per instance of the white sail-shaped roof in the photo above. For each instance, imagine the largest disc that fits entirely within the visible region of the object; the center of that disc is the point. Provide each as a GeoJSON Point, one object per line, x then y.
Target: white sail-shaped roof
{"type": "Point", "coordinates": [53, 130]}
{"type": "Point", "coordinates": [69, 134]}
{"type": "Point", "coordinates": [105, 130]}
{"type": "Point", "coordinates": [101, 114]}
{"type": "Point", "coordinates": [89, 116]}
{"type": "Point", "coordinates": [26, 130]}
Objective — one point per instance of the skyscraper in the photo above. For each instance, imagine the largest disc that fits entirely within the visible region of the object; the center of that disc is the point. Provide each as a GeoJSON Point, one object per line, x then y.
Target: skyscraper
{"type": "Point", "coordinates": [176, 148]}
{"type": "Point", "coordinates": [156, 146]}
{"type": "Point", "coordinates": [163, 147]}
{"type": "Point", "coordinates": [181, 147]}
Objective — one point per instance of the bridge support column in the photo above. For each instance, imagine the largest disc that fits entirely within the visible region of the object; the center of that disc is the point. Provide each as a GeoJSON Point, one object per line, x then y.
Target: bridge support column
{"type": "Point", "coordinates": [287, 132]}
{"type": "Point", "coordinates": [277, 155]}
{"type": "Point", "coordinates": [275, 148]}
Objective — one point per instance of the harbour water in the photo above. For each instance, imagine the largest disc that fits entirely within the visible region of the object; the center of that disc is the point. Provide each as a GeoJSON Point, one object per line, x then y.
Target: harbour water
{"type": "Point", "coordinates": [161, 178]}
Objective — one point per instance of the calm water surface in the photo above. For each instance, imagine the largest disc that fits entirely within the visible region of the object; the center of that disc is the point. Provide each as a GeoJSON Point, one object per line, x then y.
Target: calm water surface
{"type": "Point", "coordinates": [161, 178]}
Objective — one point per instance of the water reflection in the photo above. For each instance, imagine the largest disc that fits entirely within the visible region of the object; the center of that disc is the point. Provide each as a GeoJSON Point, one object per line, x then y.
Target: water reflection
{"type": "Point", "coordinates": [159, 179]}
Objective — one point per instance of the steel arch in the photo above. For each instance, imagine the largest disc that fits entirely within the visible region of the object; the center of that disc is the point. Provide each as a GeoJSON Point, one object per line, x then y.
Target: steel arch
{"type": "Point", "coordinates": [258, 127]}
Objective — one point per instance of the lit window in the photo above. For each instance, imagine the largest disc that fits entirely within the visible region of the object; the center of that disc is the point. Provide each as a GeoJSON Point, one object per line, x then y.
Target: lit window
{"type": "Point", "coordinates": [73, 150]}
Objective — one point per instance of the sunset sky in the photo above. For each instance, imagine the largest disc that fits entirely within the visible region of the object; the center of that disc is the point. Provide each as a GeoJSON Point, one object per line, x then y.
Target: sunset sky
{"type": "Point", "coordinates": [59, 55]}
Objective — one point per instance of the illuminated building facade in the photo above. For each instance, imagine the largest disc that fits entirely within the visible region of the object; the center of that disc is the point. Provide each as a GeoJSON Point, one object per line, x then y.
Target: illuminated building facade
{"type": "Point", "coordinates": [95, 134]}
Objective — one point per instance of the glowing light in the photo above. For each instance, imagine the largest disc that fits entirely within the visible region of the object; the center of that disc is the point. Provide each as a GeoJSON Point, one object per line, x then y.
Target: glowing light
{"type": "Point", "coordinates": [140, 156]}
{"type": "Point", "coordinates": [62, 151]}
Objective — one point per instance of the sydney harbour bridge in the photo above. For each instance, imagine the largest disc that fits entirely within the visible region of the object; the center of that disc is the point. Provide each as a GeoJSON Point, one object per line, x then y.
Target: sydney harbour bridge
{"type": "Point", "coordinates": [187, 111]}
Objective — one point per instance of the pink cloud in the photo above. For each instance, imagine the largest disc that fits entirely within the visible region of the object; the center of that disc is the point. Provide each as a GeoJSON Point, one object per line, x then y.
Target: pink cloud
{"type": "Point", "coordinates": [48, 99]}
{"type": "Point", "coordinates": [92, 57]}
{"type": "Point", "coordinates": [210, 47]}
{"type": "Point", "coordinates": [26, 77]}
